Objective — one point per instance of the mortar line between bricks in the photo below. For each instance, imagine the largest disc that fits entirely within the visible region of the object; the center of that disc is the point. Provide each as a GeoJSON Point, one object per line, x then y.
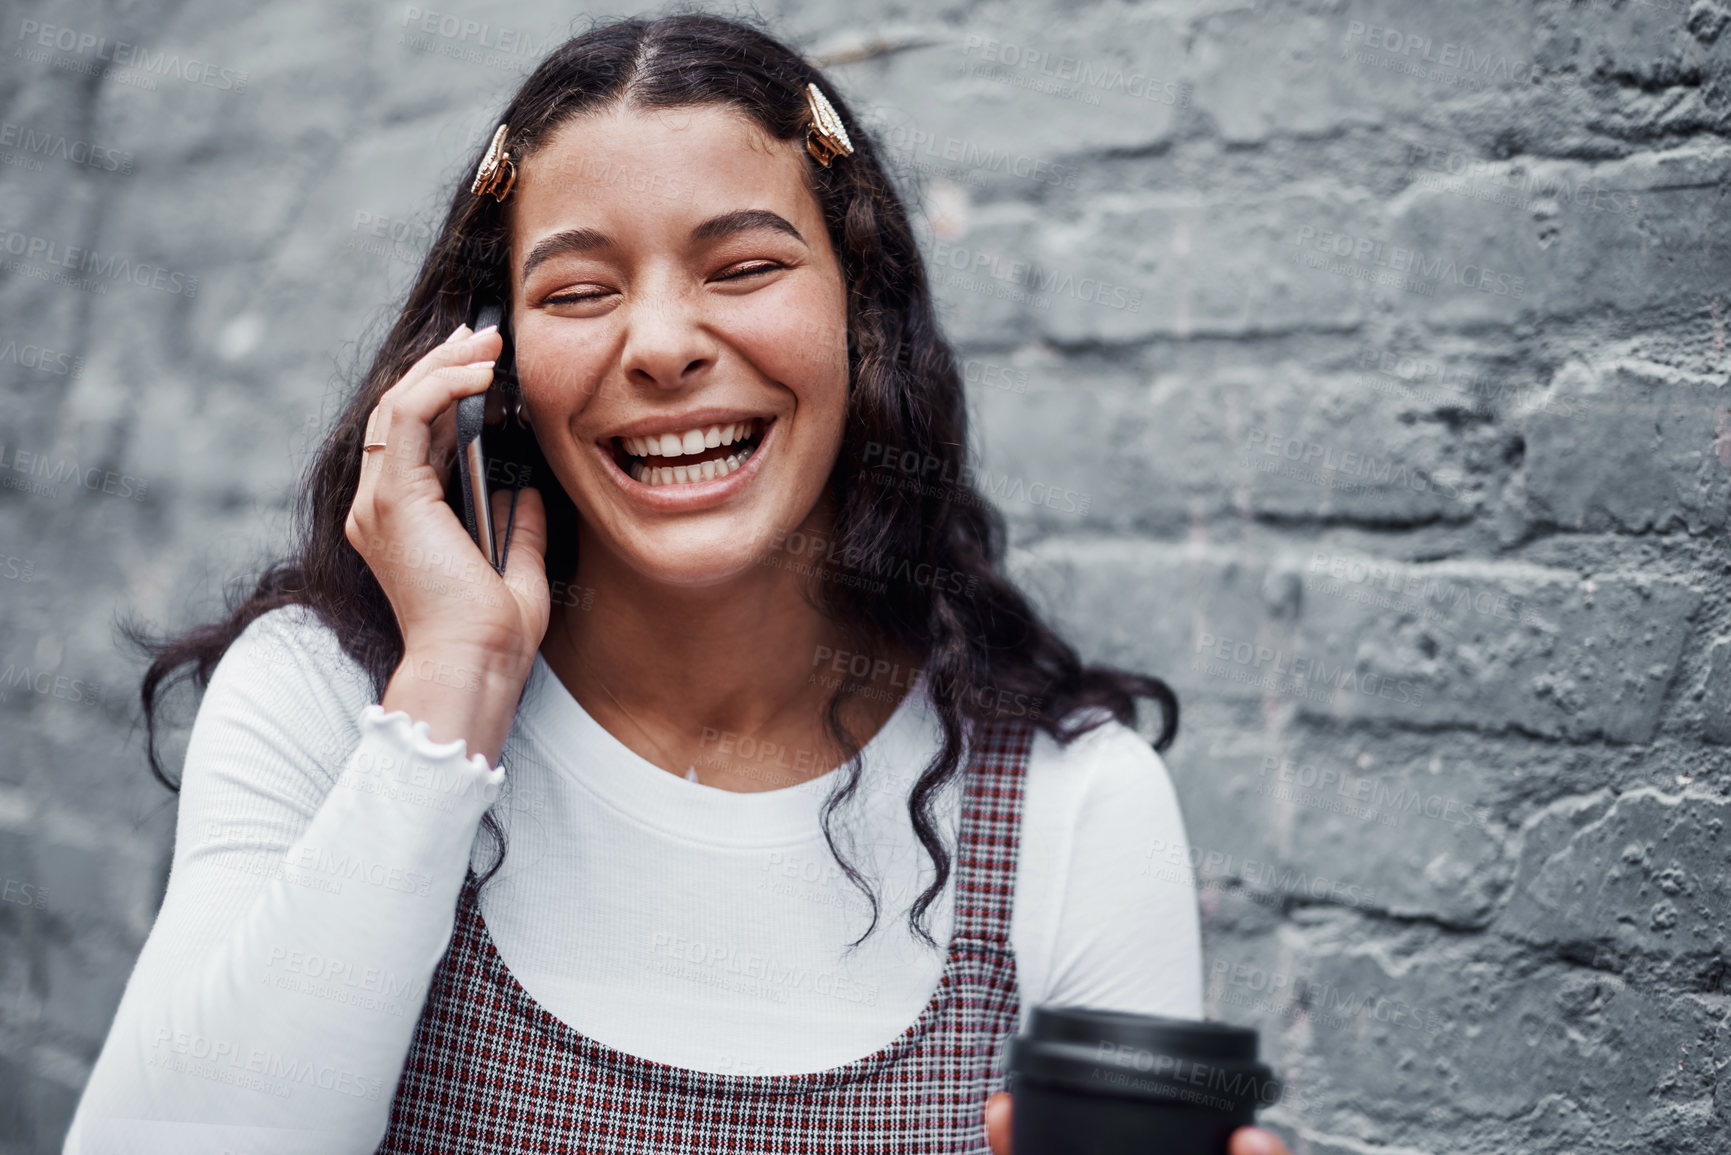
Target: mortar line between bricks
{"type": "Point", "coordinates": [1291, 902]}
{"type": "Point", "coordinates": [1383, 727]}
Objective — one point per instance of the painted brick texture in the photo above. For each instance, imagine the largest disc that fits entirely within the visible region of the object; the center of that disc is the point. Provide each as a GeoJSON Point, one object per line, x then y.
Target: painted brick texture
{"type": "Point", "coordinates": [1359, 366]}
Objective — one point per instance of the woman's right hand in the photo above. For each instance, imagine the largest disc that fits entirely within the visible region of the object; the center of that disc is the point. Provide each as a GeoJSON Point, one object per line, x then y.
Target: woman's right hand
{"type": "Point", "coordinates": [468, 633]}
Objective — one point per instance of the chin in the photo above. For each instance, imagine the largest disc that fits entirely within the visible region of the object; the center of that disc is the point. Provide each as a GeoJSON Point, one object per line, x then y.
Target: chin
{"type": "Point", "coordinates": [696, 569]}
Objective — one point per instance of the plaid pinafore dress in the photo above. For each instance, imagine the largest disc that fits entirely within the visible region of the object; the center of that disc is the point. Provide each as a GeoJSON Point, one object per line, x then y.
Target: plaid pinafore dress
{"type": "Point", "coordinates": [491, 1071]}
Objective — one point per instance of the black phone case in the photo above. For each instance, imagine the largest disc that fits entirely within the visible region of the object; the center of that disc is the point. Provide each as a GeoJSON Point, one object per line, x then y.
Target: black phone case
{"type": "Point", "coordinates": [494, 447]}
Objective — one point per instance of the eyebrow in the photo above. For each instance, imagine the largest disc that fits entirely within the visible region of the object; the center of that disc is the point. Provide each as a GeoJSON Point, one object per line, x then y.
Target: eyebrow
{"type": "Point", "coordinates": [727, 224]}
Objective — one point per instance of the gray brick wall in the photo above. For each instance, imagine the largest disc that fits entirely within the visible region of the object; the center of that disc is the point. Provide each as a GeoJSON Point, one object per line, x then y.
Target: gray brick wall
{"type": "Point", "coordinates": [1358, 366]}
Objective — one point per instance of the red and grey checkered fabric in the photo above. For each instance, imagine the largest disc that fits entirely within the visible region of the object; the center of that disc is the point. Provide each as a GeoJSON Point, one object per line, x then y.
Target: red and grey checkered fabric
{"type": "Point", "coordinates": [491, 1071]}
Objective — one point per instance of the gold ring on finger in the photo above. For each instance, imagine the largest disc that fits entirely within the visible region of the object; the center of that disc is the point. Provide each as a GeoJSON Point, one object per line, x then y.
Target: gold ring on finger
{"type": "Point", "coordinates": [377, 422]}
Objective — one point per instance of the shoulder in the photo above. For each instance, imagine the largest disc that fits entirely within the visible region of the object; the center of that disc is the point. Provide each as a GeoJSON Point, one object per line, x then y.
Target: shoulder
{"type": "Point", "coordinates": [1100, 920]}
{"type": "Point", "coordinates": [286, 682]}
{"type": "Point", "coordinates": [290, 636]}
{"type": "Point", "coordinates": [293, 642]}
{"type": "Point", "coordinates": [1095, 811]}
{"type": "Point", "coordinates": [1110, 766]}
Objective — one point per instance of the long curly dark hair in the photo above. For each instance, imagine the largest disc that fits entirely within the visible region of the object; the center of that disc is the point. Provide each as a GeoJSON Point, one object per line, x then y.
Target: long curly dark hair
{"type": "Point", "coordinates": [985, 653]}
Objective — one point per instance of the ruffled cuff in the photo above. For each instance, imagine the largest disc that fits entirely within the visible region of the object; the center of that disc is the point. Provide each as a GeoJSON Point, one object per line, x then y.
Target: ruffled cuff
{"type": "Point", "coordinates": [396, 726]}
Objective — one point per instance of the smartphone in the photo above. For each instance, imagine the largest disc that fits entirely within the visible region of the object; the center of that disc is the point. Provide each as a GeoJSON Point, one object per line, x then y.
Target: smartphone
{"type": "Point", "coordinates": [496, 449]}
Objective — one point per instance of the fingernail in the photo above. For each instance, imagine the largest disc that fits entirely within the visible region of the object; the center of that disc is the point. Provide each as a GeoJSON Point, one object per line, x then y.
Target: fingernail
{"type": "Point", "coordinates": [455, 333]}
{"type": "Point", "coordinates": [1252, 1141]}
{"type": "Point", "coordinates": [481, 365]}
{"type": "Point", "coordinates": [483, 332]}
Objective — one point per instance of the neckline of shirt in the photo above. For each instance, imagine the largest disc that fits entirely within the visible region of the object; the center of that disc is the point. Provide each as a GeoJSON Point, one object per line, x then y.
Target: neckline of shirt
{"type": "Point", "coordinates": [577, 747]}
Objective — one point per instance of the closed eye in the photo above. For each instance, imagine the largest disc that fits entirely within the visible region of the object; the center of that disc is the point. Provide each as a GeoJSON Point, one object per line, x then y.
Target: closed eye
{"type": "Point", "coordinates": [736, 274]}
{"type": "Point", "coordinates": [576, 298]}
{"type": "Point", "coordinates": [750, 270]}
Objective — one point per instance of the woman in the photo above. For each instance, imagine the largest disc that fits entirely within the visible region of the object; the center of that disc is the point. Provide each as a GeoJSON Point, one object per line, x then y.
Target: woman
{"type": "Point", "coordinates": [726, 350]}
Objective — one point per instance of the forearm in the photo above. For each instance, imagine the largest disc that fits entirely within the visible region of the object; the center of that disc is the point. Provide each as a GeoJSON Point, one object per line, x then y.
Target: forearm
{"type": "Point", "coordinates": [299, 1018]}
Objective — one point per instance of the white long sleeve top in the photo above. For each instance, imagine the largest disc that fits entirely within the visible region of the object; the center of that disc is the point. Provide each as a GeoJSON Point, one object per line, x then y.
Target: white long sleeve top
{"type": "Point", "coordinates": [321, 845]}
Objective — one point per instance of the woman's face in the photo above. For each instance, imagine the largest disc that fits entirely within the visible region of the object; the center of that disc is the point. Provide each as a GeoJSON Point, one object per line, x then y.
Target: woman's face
{"type": "Point", "coordinates": [680, 325]}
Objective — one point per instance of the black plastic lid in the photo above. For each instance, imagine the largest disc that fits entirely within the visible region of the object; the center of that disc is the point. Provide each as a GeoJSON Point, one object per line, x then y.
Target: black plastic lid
{"type": "Point", "coordinates": [1143, 1056]}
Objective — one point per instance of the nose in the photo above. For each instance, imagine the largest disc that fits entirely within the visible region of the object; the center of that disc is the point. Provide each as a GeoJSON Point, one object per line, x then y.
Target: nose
{"type": "Point", "coordinates": [667, 345]}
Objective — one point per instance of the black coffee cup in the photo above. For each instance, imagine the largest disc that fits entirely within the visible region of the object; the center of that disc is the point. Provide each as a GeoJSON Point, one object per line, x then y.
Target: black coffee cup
{"type": "Point", "coordinates": [1091, 1082]}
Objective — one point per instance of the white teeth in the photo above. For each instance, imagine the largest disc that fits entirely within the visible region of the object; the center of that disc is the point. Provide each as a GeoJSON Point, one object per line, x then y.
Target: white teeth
{"type": "Point", "coordinates": [681, 444]}
{"type": "Point", "coordinates": [686, 474]}
{"type": "Point", "coordinates": [689, 442]}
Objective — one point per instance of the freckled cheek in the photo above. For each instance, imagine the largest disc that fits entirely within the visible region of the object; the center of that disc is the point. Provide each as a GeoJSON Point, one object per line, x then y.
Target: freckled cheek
{"type": "Point", "coordinates": [802, 351]}
{"type": "Point", "coordinates": [557, 379]}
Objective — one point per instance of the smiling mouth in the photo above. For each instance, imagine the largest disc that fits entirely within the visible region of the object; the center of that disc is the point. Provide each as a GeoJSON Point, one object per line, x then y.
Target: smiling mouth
{"type": "Point", "coordinates": [695, 455]}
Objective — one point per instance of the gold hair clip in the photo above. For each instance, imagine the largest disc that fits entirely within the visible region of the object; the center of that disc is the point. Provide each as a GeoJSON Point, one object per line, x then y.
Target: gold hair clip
{"type": "Point", "coordinates": [826, 139]}
{"type": "Point", "coordinates": [495, 166]}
